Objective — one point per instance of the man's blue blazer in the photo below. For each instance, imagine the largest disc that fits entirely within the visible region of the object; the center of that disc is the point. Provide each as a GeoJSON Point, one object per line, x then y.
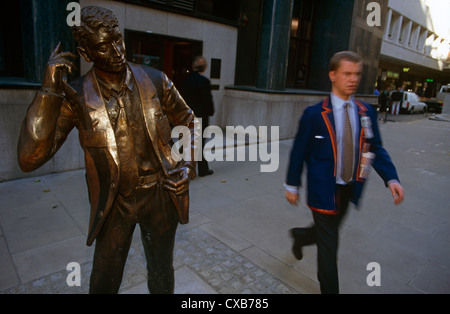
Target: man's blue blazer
{"type": "Point", "coordinates": [315, 145]}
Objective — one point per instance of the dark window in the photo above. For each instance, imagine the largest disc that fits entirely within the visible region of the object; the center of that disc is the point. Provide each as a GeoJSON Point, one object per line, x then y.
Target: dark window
{"type": "Point", "coordinates": [188, 5]}
{"type": "Point", "coordinates": [228, 10]}
{"type": "Point", "coordinates": [218, 10]}
{"type": "Point", "coordinates": [216, 65]}
{"type": "Point", "coordinates": [11, 52]}
{"type": "Point", "coordinates": [301, 43]}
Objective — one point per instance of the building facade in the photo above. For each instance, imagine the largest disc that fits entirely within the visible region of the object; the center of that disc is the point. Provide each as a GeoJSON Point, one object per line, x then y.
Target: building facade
{"type": "Point", "coordinates": [268, 59]}
{"type": "Point", "coordinates": [415, 51]}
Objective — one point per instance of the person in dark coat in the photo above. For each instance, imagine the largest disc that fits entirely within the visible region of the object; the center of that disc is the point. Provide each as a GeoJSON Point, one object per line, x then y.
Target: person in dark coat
{"type": "Point", "coordinates": [383, 101]}
{"type": "Point", "coordinates": [396, 98]}
{"type": "Point", "coordinates": [196, 92]}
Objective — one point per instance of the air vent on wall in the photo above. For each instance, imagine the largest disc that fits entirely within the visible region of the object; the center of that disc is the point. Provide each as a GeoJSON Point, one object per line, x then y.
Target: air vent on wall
{"type": "Point", "coordinates": [184, 4]}
{"type": "Point", "coordinates": [187, 5]}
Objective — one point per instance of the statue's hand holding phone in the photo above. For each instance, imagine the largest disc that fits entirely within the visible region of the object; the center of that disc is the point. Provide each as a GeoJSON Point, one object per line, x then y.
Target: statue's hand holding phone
{"type": "Point", "coordinates": [59, 64]}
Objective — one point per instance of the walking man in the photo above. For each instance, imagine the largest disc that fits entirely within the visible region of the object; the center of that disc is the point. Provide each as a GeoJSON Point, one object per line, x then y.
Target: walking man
{"type": "Point", "coordinates": [338, 139]}
{"type": "Point", "coordinates": [197, 94]}
{"type": "Point", "coordinates": [396, 98]}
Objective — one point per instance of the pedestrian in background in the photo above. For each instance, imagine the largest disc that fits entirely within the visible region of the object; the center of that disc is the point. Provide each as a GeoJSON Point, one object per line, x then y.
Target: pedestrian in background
{"type": "Point", "coordinates": [196, 92]}
{"type": "Point", "coordinates": [396, 98]}
{"type": "Point", "coordinates": [383, 102]}
{"type": "Point", "coordinates": [338, 139]}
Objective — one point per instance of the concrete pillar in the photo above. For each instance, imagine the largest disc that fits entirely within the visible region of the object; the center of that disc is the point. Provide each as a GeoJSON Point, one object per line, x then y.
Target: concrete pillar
{"type": "Point", "coordinates": [274, 47]}
{"type": "Point", "coordinates": [388, 25]}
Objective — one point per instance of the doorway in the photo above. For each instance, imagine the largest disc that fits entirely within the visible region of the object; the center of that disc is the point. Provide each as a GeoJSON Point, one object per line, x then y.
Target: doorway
{"type": "Point", "coordinates": [171, 55]}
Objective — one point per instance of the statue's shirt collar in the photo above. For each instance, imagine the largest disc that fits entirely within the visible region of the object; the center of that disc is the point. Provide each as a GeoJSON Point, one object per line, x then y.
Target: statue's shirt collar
{"type": "Point", "coordinates": [126, 86]}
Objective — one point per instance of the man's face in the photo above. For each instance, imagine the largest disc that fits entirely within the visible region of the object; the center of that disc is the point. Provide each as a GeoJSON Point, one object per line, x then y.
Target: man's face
{"type": "Point", "coordinates": [346, 78]}
{"type": "Point", "coordinates": [107, 50]}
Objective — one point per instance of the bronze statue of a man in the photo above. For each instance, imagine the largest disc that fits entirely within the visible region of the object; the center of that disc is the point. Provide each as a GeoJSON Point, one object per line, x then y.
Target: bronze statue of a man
{"type": "Point", "coordinates": [124, 114]}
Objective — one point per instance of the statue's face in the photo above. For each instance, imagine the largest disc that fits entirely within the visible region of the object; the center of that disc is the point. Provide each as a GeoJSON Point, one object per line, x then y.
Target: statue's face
{"type": "Point", "coordinates": [107, 50]}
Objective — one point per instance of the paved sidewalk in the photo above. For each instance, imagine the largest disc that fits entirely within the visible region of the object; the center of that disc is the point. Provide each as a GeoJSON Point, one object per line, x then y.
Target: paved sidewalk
{"type": "Point", "coordinates": [237, 240]}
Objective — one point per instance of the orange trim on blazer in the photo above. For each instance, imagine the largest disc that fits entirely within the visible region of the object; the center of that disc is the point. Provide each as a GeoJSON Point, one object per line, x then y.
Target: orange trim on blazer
{"type": "Point", "coordinates": [361, 143]}
{"type": "Point", "coordinates": [325, 211]}
{"type": "Point", "coordinates": [330, 130]}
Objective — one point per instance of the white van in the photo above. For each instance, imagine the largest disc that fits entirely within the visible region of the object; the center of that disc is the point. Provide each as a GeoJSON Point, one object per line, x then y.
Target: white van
{"type": "Point", "coordinates": [444, 91]}
{"type": "Point", "coordinates": [410, 102]}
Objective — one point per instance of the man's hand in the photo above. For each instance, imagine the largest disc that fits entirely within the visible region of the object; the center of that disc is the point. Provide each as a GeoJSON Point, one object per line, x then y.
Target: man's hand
{"type": "Point", "coordinates": [397, 192]}
{"type": "Point", "coordinates": [292, 197]}
{"type": "Point", "coordinates": [178, 181]}
{"type": "Point", "coordinates": [58, 64]}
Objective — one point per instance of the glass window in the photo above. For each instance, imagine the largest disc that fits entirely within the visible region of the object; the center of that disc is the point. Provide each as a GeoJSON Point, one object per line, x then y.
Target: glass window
{"type": "Point", "coordinates": [301, 43]}
{"type": "Point", "coordinates": [11, 51]}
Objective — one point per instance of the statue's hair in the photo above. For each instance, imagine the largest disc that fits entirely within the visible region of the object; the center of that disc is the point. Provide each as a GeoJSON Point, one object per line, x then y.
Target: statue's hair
{"type": "Point", "coordinates": [92, 18]}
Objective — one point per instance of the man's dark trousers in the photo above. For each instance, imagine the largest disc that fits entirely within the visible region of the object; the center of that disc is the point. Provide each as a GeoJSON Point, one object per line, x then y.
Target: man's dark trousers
{"type": "Point", "coordinates": [203, 167]}
{"type": "Point", "coordinates": [325, 234]}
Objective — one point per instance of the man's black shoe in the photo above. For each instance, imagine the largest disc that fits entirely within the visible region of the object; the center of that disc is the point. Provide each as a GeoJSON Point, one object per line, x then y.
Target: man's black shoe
{"type": "Point", "coordinates": [297, 246]}
{"type": "Point", "coordinates": [207, 173]}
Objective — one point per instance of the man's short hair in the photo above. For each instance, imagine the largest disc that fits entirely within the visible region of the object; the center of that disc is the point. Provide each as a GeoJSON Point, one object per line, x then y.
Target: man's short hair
{"type": "Point", "coordinates": [200, 64]}
{"type": "Point", "coordinates": [336, 59]}
{"type": "Point", "coordinates": [91, 19]}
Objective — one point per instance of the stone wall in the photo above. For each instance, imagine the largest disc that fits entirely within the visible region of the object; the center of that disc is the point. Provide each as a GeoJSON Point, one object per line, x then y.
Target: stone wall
{"type": "Point", "coordinates": [256, 108]}
{"type": "Point", "coordinates": [13, 107]}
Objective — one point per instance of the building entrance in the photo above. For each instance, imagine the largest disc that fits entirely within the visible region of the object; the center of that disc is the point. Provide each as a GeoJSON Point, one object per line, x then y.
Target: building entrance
{"type": "Point", "coordinates": [171, 55]}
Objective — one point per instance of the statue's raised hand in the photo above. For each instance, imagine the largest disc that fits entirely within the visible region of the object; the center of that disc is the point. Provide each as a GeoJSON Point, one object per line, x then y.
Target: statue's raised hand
{"type": "Point", "coordinates": [58, 65]}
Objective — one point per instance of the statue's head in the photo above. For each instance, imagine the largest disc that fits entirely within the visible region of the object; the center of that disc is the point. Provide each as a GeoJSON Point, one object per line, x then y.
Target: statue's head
{"type": "Point", "coordinates": [100, 40]}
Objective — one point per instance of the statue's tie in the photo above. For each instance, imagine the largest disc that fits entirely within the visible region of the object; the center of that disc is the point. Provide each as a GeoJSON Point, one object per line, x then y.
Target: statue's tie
{"type": "Point", "coordinates": [129, 174]}
{"type": "Point", "coordinates": [348, 150]}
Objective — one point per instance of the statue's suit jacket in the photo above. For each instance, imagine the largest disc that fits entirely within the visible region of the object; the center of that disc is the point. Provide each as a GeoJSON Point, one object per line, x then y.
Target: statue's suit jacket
{"type": "Point", "coordinates": [316, 145]}
{"type": "Point", "coordinates": [50, 118]}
